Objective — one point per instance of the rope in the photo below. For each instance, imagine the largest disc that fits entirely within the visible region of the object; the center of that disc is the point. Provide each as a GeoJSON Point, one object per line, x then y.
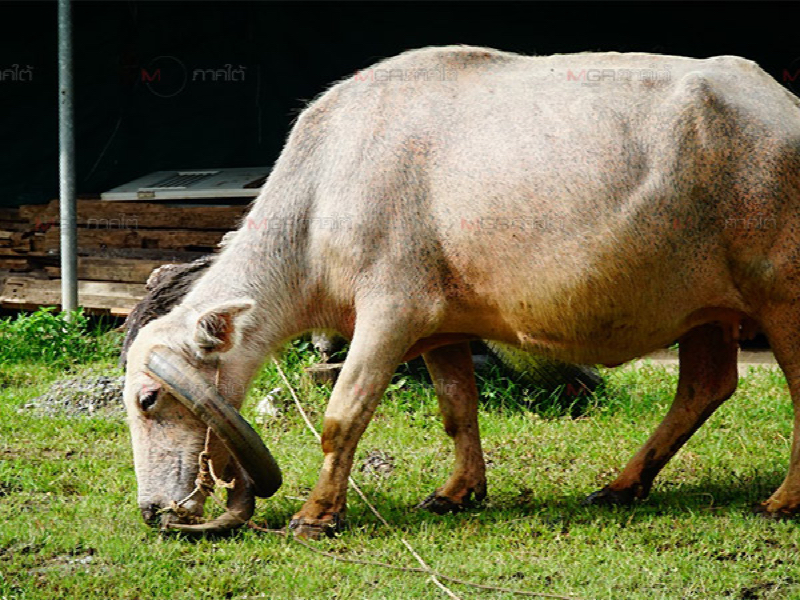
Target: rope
{"type": "Point", "coordinates": [205, 482]}
{"type": "Point", "coordinates": [427, 571]}
{"type": "Point", "coordinates": [434, 575]}
{"type": "Point", "coordinates": [374, 510]}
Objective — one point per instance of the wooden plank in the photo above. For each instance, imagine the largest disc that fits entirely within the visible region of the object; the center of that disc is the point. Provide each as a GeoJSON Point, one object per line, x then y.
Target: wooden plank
{"type": "Point", "coordinates": [111, 269]}
{"type": "Point", "coordinates": [10, 214]}
{"type": "Point", "coordinates": [31, 212]}
{"type": "Point", "coordinates": [89, 301]}
{"type": "Point", "coordinates": [155, 254]}
{"type": "Point", "coordinates": [15, 264]}
{"type": "Point", "coordinates": [19, 291]}
{"type": "Point", "coordinates": [11, 253]}
{"type": "Point", "coordinates": [21, 241]}
{"type": "Point", "coordinates": [175, 239]}
{"type": "Point", "coordinates": [92, 310]}
{"type": "Point", "coordinates": [14, 225]}
{"type": "Point", "coordinates": [144, 253]}
{"type": "Point", "coordinates": [37, 242]}
{"type": "Point", "coordinates": [105, 288]}
{"type": "Point", "coordinates": [23, 262]}
{"type": "Point", "coordinates": [136, 215]}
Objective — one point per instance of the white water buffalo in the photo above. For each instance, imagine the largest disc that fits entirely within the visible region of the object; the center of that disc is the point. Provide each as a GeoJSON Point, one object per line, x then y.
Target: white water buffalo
{"type": "Point", "coordinates": [589, 207]}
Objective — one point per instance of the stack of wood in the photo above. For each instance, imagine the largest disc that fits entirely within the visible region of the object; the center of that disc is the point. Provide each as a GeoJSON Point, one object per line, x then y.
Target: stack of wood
{"type": "Point", "coordinates": [119, 245]}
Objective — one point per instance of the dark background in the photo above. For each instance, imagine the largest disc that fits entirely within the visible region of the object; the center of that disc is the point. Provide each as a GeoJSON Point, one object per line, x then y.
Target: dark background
{"type": "Point", "coordinates": [127, 126]}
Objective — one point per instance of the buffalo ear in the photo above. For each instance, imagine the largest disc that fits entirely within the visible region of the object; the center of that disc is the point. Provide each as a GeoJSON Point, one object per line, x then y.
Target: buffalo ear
{"type": "Point", "coordinates": [215, 330]}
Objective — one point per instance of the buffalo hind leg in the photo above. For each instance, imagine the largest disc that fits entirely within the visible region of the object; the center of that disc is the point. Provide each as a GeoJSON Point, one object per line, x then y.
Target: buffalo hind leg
{"type": "Point", "coordinates": [453, 375]}
{"type": "Point", "coordinates": [708, 377]}
{"type": "Point", "coordinates": [377, 347]}
{"type": "Point", "coordinates": [781, 324]}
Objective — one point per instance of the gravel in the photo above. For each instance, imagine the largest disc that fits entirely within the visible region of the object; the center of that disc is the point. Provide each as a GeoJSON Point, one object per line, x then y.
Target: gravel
{"type": "Point", "coordinates": [378, 464]}
{"type": "Point", "coordinates": [82, 396]}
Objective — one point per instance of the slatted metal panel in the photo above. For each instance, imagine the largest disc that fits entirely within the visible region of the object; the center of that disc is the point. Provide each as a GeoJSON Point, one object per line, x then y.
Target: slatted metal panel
{"type": "Point", "coordinates": [192, 184]}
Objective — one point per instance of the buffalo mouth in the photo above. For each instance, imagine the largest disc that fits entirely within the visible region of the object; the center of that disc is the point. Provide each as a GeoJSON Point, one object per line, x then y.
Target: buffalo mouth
{"type": "Point", "coordinates": [238, 510]}
{"type": "Point", "coordinates": [256, 473]}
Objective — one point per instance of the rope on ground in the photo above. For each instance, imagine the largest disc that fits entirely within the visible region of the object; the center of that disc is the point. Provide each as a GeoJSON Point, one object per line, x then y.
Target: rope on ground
{"type": "Point", "coordinates": [374, 510]}
{"type": "Point", "coordinates": [426, 571]}
{"type": "Point", "coordinates": [434, 575]}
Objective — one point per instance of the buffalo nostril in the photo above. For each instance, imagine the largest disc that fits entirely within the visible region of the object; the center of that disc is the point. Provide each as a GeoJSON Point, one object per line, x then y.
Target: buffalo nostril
{"type": "Point", "coordinates": [150, 513]}
{"type": "Point", "coordinates": [167, 519]}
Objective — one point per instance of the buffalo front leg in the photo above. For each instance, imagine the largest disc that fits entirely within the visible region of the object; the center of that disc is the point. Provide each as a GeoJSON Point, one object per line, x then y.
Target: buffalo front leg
{"type": "Point", "coordinates": [371, 361]}
{"type": "Point", "coordinates": [708, 377]}
{"type": "Point", "coordinates": [453, 375]}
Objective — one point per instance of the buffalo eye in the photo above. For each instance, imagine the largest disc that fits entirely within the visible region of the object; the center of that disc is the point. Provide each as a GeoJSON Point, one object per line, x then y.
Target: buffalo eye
{"type": "Point", "coordinates": [148, 399]}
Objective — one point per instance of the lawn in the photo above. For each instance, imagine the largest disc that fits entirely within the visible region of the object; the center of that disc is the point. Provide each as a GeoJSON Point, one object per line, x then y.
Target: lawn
{"type": "Point", "coordinates": [69, 526]}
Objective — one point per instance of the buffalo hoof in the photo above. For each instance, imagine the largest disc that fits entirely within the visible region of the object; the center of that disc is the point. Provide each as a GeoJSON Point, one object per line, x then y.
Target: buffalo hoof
{"type": "Point", "coordinates": [442, 505]}
{"type": "Point", "coordinates": [609, 497]}
{"type": "Point", "coordinates": [762, 509]}
{"type": "Point", "coordinates": [315, 529]}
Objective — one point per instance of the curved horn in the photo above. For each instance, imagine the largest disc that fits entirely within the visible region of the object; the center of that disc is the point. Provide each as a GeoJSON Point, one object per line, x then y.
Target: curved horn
{"type": "Point", "coordinates": [206, 403]}
{"type": "Point", "coordinates": [239, 508]}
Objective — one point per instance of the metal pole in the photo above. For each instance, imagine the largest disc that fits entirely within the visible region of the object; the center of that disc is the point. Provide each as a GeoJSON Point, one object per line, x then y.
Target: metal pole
{"type": "Point", "coordinates": [66, 164]}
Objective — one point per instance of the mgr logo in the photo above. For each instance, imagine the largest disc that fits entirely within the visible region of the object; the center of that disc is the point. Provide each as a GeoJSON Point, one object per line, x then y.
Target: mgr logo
{"type": "Point", "coordinates": [165, 76]}
{"type": "Point", "coordinates": [791, 76]}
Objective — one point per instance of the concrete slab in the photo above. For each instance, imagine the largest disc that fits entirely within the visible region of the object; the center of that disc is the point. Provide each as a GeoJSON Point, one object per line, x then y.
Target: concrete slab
{"type": "Point", "coordinates": [747, 358]}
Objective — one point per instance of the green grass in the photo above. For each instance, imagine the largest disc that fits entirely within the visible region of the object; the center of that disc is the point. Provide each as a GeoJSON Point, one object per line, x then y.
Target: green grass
{"type": "Point", "coordinates": [69, 527]}
{"type": "Point", "coordinates": [53, 338]}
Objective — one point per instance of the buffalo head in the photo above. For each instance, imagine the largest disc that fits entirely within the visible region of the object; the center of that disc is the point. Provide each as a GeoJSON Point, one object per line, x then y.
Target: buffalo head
{"type": "Point", "coordinates": [184, 378]}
